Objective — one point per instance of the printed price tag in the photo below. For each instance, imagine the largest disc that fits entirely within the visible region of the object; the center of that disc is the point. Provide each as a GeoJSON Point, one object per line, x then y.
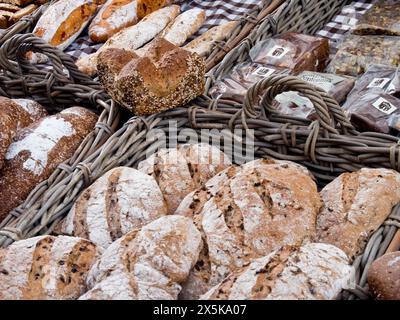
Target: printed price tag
{"type": "Point", "coordinates": [277, 52]}
{"type": "Point", "coordinates": [384, 106]}
{"type": "Point", "coordinates": [378, 83]}
{"type": "Point", "coordinates": [263, 72]}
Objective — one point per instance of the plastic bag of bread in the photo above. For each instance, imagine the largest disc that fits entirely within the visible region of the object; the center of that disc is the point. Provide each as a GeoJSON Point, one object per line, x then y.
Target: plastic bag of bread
{"type": "Point", "coordinates": [357, 53]}
{"type": "Point", "coordinates": [382, 19]}
{"type": "Point", "coordinates": [294, 51]}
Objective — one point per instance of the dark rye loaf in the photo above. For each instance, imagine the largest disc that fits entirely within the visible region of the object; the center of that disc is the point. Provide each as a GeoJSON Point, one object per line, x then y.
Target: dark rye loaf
{"type": "Point", "coordinates": [37, 150]}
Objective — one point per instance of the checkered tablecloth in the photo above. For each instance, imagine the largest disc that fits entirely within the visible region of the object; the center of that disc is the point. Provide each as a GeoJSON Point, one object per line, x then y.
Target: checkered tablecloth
{"type": "Point", "coordinates": [217, 12]}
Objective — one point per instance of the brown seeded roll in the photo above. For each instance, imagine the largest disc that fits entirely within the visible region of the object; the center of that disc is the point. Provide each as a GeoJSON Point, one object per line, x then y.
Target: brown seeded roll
{"type": "Point", "coordinates": [37, 150]}
{"type": "Point", "coordinates": [384, 277]}
{"type": "Point", "coordinates": [355, 205]}
{"type": "Point", "coordinates": [247, 212]}
{"type": "Point", "coordinates": [180, 171]}
{"type": "Point", "coordinates": [14, 115]}
{"type": "Point", "coordinates": [46, 268]}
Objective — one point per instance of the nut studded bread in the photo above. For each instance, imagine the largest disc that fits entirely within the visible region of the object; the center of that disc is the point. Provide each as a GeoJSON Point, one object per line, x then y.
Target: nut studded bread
{"type": "Point", "coordinates": [182, 170]}
{"type": "Point", "coordinates": [355, 205]}
{"type": "Point", "coordinates": [122, 200]}
{"type": "Point", "coordinates": [146, 265]}
{"type": "Point", "coordinates": [14, 115]}
{"type": "Point", "coordinates": [247, 215]}
{"type": "Point", "coordinates": [165, 77]}
{"type": "Point", "coordinates": [314, 271]}
{"type": "Point", "coordinates": [46, 267]}
{"type": "Point", "coordinates": [37, 150]}
{"type": "Point", "coordinates": [384, 277]}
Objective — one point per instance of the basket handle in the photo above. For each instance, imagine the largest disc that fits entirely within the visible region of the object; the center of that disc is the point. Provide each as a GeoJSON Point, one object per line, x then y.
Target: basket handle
{"type": "Point", "coordinates": [328, 110]}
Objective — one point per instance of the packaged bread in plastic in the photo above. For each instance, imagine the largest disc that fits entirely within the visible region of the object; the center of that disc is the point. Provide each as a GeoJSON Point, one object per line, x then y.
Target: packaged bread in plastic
{"type": "Point", "coordinates": [382, 19]}
{"type": "Point", "coordinates": [357, 53]}
{"type": "Point", "coordinates": [293, 51]}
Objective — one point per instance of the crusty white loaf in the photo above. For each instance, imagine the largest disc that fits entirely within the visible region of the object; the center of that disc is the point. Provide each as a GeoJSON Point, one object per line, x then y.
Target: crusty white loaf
{"type": "Point", "coordinates": [122, 200]}
{"type": "Point", "coordinates": [46, 267]}
{"type": "Point", "coordinates": [257, 210]}
{"type": "Point", "coordinates": [38, 149]}
{"type": "Point", "coordinates": [355, 205]}
{"type": "Point", "coordinates": [133, 37]}
{"type": "Point", "coordinates": [182, 170]}
{"type": "Point", "coordinates": [147, 265]}
{"type": "Point", "coordinates": [314, 271]}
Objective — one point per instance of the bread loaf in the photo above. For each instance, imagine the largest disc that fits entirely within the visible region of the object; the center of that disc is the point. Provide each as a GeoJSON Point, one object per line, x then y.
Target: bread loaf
{"type": "Point", "coordinates": [384, 277]}
{"type": "Point", "coordinates": [181, 170]}
{"type": "Point", "coordinates": [250, 214]}
{"type": "Point", "coordinates": [14, 115]}
{"type": "Point", "coordinates": [146, 265]}
{"type": "Point", "coordinates": [122, 200]}
{"type": "Point", "coordinates": [314, 271]}
{"type": "Point", "coordinates": [37, 150]}
{"type": "Point", "coordinates": [165, 77]}
{"type": "Point", "coordinates": [203, 44]}
{"type": "Point", "coordinates": [133, 37]}
{"type": "Point", "coordinates": [17, 2]}
{"type": "Point", "coordinates": [45, 268]}
{"type": "Point", "coordinates": [145, 7]}
{"type": "Point", "coordinates": [355, 205]}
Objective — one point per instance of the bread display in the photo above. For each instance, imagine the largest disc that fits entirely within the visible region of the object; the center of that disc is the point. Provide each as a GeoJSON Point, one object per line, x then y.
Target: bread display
{"type": "Point", "coordinates": [165, 77]}
{"type": "Point", "coordinates": [37, 150]}
{"type": "Point", "coordinates": [133, 37]}
{"type": "Point", "coordinates": [46, 268]}
{"type": "Point", "coordinates": [150, 264]}
{"type": "Point", "coordinates": [250, 214]}
{"type": "Point", "coordinates": [384, 277]}
{"type": "Point", "coordinates": [181, 170]}
{"type": "Point", "coordinates": [15, 115]}
{"type": "Point", "coordinates": [314, 271]}
{"type": "Point", "coordinates": [120, 201]}
{"type": "Point", "coordinates": [355, 205]}
{"type": "Point", "coordinates": [10, 13]}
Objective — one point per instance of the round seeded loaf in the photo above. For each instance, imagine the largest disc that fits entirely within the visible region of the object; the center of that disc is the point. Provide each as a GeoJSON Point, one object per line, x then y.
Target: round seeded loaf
{"type": "Point", "coordinates": [314, 271]}
{"type": "Point", "coordinates": [122, 200]}
{"type": "Point", "coordinates": [149, 264]}
{"type": "Point", "coordinates": [355, 205]}
{"type": "Point", "coordinates": [247, 212]}
{"type": "Point", "coordinates": [37, 150]}
{"type": "Point", "coordinates": [181, 170]}
{"type": "Point", "coordinates": [46, 268]}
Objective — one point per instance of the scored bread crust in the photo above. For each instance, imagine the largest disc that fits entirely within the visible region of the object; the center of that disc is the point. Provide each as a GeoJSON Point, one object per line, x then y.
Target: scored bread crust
{"type": "Point", "coordinates": [314, 271]}
{"type": "Point", "coordinates": [149, 264]}
{"type": "Point", "coordinates": [355, 205]}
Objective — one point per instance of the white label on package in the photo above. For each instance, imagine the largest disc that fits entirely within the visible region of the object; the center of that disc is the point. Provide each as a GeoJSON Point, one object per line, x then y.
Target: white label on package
{"type": "Point", "coordinates": [384, 106]}
{"type": "Point", "coordinates": [263, 72]}
{"type": "Point", "coordinates": [277, 52]}
{"type": "Point", "coordinates": [324, 81]}
{"type": "Point", "coordinates": [378, 83]}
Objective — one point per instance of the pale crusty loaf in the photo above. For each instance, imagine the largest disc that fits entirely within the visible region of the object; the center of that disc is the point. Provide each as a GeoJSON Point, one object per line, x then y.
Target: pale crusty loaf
{"type": "Point", "coordinates": [37, 150]}
{"type": "Point", "coordinates": [355, 205]}
{"type": "Point", "coordinates": [146, 265]}
{"type": "Point", "coordinates": [181, 170]}
{"type": "Point", "coordinates": [384, 277]}
{"type": "Point", "coordinates": [46, 267]}
{"type": "Point", "coordinates": [133, 37]}
{"type": "Point", "coordinates": [314, 271]}
{"type": "Point", "coordinates": [165, 77]}
{"type": "Point", "coordinates": [14, 115]}
{"type": "Point", "coordinates": [253, 212]}
{"type": "Point", "coordinates": [122, 200]}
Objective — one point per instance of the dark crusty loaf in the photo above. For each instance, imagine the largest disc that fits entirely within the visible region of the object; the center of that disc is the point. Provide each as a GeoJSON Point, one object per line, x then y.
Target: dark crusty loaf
{"type": "Point", "coordinates": [355, 205]}
{"type": "Point", "coordinates": [122, 200]}
{"type": "Point", "coordinates": [384, 277]}
{"type": "Point", "coordinates": [314, 271]}
{"type": "Point", "coordinates": [46, 267]}
{"type": "Point", "coordinates": [37, 150]}
{"type": "Point", "coordinates": [14, 115]}
{"type": "Point", "coordinates": [146, 265]}
{"type": "Point", "coordinates": [165, 77]}
{"type": "Point", "coordinates": [247, 212]}
{"type": "Point", "coordinates": [179, 171]}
